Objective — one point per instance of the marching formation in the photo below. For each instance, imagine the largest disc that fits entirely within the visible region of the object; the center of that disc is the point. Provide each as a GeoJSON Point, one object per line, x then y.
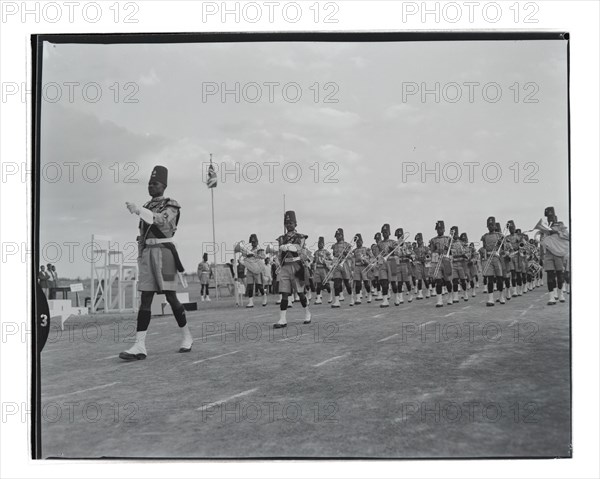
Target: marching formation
{"type": "Point", "coordinates": [508, 263]}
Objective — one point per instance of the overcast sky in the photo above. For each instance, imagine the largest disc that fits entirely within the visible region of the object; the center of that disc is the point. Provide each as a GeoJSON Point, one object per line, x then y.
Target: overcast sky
{"type": "Point", "coordinates": [362, 143]}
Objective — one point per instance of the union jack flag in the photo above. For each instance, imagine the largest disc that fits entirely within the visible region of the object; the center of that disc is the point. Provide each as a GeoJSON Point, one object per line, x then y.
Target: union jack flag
{"type": "Point", "coordinates": [211, 181]}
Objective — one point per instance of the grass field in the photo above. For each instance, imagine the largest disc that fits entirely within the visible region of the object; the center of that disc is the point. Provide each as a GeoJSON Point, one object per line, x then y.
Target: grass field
{"type": "Point", "coordinates": [403, 382]}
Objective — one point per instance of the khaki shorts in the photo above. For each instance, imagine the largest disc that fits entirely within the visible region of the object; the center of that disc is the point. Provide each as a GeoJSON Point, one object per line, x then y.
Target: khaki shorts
{"type": "Point", "coordinates": [320, 274]}
{"type": "Point", "coordinates": [288, 281]}
{"type": "Point", "coordinates": [390, 274]}
{"type": "Point", "coordinates": [553, 262]}
{"type": "Point", "coordinates": [359, 274]}
{"type": "Point", "coordinates": [404, 271]}
{"type": "Point", "coordinates": [494, 268]}
{"type": "Point", "coordinates": [458, 269]}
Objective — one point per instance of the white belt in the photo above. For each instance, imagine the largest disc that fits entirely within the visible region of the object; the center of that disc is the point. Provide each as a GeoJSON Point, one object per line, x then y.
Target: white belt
{"type": "Point", "coordinates": [291, 260]}
{"type": "Point", "coordinates": [155, 241]}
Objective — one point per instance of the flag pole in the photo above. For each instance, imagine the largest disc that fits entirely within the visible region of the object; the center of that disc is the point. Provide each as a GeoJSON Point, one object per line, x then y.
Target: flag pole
{"type": "Point", "coordinates": [212, 205]}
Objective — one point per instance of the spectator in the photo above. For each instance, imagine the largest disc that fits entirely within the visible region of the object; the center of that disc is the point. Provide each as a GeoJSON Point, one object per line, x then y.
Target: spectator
{"type": "Point", "coordinates": [43, 278]}
{"type": "Point", "coordinates": [241, 276]}
{"type": "Point", "coordinates": [204, 274]}
{"type": "Point", "coordinates": [268, 279]}
{"type": "Point", "coordinates": [52, 281]}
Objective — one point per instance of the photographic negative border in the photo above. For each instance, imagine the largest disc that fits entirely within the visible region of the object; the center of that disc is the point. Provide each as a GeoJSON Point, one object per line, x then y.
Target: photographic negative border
{"type": "Point", "coordinates": [240, 37]}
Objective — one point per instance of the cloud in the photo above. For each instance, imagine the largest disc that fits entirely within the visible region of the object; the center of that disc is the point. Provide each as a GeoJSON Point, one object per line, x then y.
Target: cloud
{"type": "Point", "coordinates": [323, 117]}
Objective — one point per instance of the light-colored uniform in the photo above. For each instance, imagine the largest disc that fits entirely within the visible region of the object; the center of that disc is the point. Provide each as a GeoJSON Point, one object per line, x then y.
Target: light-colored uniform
{"type": "Point", "coordinates": [291, 276]}
{"type": "Point", "coordinates": [362, 257]}
{"type": "Point", "coordinates": [439, 246]}
{"type": "Point", "coordinates": [157, 267]}
{"type": "Point", "coordinates": [556, 247]}
{"type": "Point", "coordinates": [388, 269]}
{"type": "Point", "coordinates": [490, 242]}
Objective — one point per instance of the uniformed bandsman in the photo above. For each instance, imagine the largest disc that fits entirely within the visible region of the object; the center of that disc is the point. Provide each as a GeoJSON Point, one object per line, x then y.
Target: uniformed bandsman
{"type": "Point", "coordinates": [404, 256]}
{"type": "Point", "coordinates": [254, 271]}
{"type": "Point", "coordinates": [439, 249]}
{"type": "Point", "coordinates": [292, 275]}
{"type": "Point", "coordinates": [492, 270]}
{"type": "Point", "coordinates": [387, 269]}
{"type": "Point", "coordinates": [321, 265]}
{"type": "Point", "coordinates": [375, 270]}
{"type": "Point", "coordinates": [473, 267]}
{"type": "Point", "coordinates": [341, 273]}
{"type": "Point", "coordinates": [362, 257]}
{"type": "Point", "coordinates": [422, 257]}
{"type": "Point", "coordinates": [513, 240]}
{"type": "Point", "coordinates": [458, 253]}
{"type": "Point", "coordinates": [158, 262]}
{"type": "Point", "coordinates": [555, 244]}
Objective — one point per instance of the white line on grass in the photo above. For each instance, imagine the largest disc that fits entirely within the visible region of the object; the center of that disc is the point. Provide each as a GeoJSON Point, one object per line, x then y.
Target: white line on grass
{"type": "Point", "coordinates": [80, 391]}
{"type": "Point", "coordinates": [429, 322]}
{"type": "Point", "coordinates": [525, 312]}
{"type": "Point", "coordinates": [449, 314]}
{"type": "Point", "coordinates": [389, 337]}
{"type": "Point", "coordinates": [107, 357]}
{"type": "Point", "coordinates": [244, 393]}
{"type": "Point", "coordinates": [214, 357]}
{"type": "Point", "coordinates": [466, 307]}
{"type": "Point", "coordinates": [328, 360]}
{"type": "Point", "coordinates": [377, 315]}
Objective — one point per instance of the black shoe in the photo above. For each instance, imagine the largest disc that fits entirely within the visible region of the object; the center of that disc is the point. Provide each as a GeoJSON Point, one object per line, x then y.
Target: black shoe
{"type": "Point", "coordinates": [185, 350]}
{"type": "Point", "coordinates": [131, 357]}
{"type": "Point", "coordinates": [307, 322]}
{"type": "Point", "coordinates": [490, 304]}
{"type": "Point", "coordinates": [279, 326]}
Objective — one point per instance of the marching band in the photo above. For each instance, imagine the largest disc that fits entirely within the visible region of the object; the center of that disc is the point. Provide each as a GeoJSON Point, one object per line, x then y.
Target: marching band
{"type": "Point", "coordinates": [512, 262]}
{"type": "Point", "coordinates": [509, 262]}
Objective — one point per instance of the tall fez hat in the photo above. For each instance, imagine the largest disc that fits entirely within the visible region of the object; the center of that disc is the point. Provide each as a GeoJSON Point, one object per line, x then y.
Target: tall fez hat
{"type": "Point", "coordinates": [289, 217]}
{"type": "Point", "coordinates": [321, 239]}
{"type": "Point", "coordinates": [385, 227]}
{"type": "Point", "coordinates": [498, 228]}
{"type": "Point", "coordinates": [464, 237]}
{"type": "Point", "coordinates": [439, 224]}
{"type": "Point", "coordinates": [159, 173]}
{"type": "Point", "coordinates": [339, 231]}
{"type": "Point", "coordinates": [511, 223]}
{"type": "Point", "coordinates": [418, 236]}
{"type": "Point", "coordinates": [377, 236]}
{"type": "Point", "coordinates": [399, 232]}
{"type": "Point", "coordinates": [455, 228]}
{"type": "Point", "coordinates": [491, 221]}
{"type": "Point", "coordinates": [549, 211]}
{"type": "Point", "coordinates": [253, 237]}
{"type": "Point", "coordinates": [358, 237]}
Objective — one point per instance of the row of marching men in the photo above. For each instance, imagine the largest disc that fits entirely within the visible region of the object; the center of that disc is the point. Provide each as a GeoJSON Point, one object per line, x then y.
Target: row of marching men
{"type": "Point", "coordinates": [509, 262]}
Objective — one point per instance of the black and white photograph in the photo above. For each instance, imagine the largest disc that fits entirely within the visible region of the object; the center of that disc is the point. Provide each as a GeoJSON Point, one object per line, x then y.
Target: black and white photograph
{"type": "Point", "coordinates": [302, 246]}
